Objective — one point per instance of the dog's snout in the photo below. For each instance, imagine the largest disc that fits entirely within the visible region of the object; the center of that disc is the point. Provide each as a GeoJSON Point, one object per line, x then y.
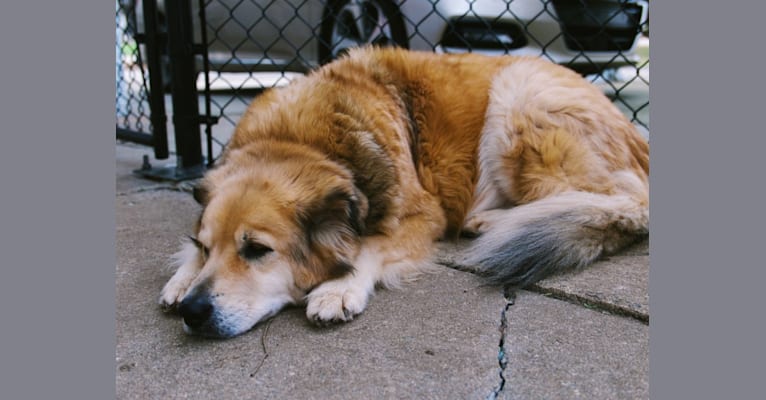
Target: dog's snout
{"type": "Point", "coordinates": [195, 309]}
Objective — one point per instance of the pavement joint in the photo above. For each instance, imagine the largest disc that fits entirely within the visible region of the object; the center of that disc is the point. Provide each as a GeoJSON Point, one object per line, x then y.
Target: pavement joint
{"type": "Point", "coordinates": [157, 188]}
{"type": "Point", "coordinates": [589, 303]}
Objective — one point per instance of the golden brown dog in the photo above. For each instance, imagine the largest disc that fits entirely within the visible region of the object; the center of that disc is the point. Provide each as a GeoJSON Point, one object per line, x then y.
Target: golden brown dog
{"type": "Point", "coordinates": [346, 178]}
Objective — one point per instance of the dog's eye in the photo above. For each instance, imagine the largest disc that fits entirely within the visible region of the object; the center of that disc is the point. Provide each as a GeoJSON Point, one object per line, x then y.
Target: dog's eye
{"type": "Point", "coordinates": [253, 250]}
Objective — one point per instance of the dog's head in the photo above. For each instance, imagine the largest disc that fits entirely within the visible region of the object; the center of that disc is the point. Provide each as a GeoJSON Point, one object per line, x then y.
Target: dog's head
{"type": "Point", "coordinates": [275, 224]}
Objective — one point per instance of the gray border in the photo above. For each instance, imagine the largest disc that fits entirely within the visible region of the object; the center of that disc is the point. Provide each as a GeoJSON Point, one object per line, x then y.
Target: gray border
{"type": "Point", "coordinates": [707, 200]}
{"type": "Point", "coordinates": [57, 168]}
{"type": "Point", "coordinates": [57, 238]}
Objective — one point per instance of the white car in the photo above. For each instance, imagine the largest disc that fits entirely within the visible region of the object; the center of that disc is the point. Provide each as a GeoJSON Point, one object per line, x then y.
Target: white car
{"type": "Point", "coordinates": [586, 36]}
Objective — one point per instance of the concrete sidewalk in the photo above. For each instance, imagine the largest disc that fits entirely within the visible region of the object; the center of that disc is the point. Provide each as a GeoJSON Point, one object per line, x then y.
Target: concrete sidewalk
{"type": "Point", "coordinates": [577, 336]}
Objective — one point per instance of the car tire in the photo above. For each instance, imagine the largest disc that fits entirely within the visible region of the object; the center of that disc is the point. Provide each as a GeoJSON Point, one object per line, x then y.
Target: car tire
{"type": "Point", "coordinates": [349, 23]}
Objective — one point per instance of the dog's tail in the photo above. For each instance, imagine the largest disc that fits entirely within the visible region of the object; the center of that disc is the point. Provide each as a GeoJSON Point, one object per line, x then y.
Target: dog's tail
{"type": "Point", "coordinates": [570, 230]}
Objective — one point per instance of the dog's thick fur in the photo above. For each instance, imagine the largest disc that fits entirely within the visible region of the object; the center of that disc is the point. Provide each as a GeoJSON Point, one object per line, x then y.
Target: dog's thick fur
{"type": "Point", "coordinates": [346, 178]}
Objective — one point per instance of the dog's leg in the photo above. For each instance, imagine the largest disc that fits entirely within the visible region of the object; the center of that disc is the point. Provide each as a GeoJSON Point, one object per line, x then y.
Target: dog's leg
{"type": "Point", "coordinates": [189, 265]}
{"type": "Point", "coordinates": [339, 300]}
{"type": "Point", "coordinates": [386, 260]}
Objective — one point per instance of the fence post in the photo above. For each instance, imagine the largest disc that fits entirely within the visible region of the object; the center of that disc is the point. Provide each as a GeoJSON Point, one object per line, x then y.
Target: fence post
{"type": "Point", "coordinates": [154, 42]}
{"type": "Point", "coordinates": [183, 84]}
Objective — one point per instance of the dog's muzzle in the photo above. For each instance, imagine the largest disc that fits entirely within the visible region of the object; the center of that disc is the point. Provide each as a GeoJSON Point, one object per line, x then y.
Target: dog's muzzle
{"type": "Point", "coordinates": [204, 317]}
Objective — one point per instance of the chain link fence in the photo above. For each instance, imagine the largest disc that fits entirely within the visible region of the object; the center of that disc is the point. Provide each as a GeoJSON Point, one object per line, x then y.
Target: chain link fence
{"type": "Point", "coordinates": [255, 44]}
{"type": "Point", "coordinates": [246, 46]}
{"type": "Point", "coordinates": [132, 91]}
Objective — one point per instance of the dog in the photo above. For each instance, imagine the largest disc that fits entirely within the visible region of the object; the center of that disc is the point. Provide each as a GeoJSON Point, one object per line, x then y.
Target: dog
{"type": "Point", "coordinates": [346, 178]}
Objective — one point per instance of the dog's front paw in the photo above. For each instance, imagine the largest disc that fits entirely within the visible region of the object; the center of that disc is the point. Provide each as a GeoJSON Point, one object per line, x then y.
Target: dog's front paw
{"type": "Point", "coordinates": [332, 303]}
{"type": "Point", "coordinates": [189, 264]}
{"type": "Point", "coordinates": [173, 292]}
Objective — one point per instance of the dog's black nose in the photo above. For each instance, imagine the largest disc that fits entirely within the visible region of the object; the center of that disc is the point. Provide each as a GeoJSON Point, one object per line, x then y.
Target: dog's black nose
{"type": "Point", "coordinates": [195, 309]}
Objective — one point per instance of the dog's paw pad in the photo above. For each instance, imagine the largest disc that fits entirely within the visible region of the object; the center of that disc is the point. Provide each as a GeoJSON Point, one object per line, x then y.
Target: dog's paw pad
{"type": "Point", "coordinates": [327, 307]}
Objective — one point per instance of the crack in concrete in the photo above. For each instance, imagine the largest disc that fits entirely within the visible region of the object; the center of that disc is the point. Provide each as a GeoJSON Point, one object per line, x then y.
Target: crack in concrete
{"type": "Point", "coordinates": [502, 354]}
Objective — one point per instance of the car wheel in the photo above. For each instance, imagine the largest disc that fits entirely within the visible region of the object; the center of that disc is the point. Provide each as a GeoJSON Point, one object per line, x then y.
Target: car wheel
{"type": "Point", "coordinates": [352, 23]}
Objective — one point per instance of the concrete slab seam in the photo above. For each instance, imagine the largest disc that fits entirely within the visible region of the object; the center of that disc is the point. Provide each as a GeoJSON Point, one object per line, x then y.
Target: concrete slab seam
{"type": "Point", "coordinates": [457, 267]}
{"type": "Point", "coordinates": [172, 188]}
{"type": "Point", "coordinates": [571, 298]}
{"type": "Point", "coordinates": [589, 303]}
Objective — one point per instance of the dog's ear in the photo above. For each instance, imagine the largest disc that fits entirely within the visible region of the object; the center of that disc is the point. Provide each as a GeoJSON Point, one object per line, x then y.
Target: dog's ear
{"type": "Point", "coordinates": [333, 223]}
{"type": "Point", "coordinates": [339, 211]}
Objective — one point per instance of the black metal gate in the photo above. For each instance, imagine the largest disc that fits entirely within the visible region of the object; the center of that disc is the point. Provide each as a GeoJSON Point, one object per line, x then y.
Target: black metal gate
{"type": "Point", "coordinates": [156, 54]}
{"type": "Point", "coordinates": [140, 112]}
